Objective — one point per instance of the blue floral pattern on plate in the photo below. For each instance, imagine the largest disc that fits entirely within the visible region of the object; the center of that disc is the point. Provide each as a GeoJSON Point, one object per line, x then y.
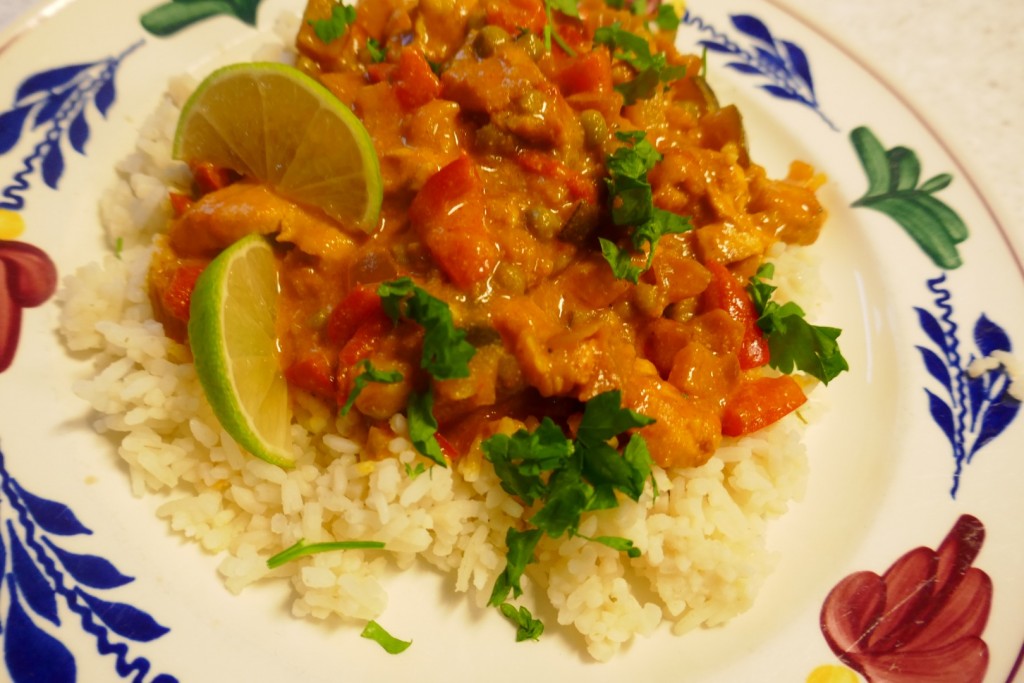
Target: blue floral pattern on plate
{"type": "Point", "coordinates": [40, 575]}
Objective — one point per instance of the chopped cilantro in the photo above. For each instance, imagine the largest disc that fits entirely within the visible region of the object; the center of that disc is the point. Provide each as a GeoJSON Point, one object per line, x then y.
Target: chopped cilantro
{"type": "Point", "coordinates": [375, 632]}
{"type": "Point", "coordinates": [446, 353]}
{"type": "Point", "coordinates": [632, 204]}
{"type": "Point", "coordinates": [119, 247]}
{"type": "Point", "coordinates": [653, 70]}
{"type": "Point", "coordinates": [667, 19]}
{"type": "Point", "coordinates": [329, 30]}
{"type": "Point", "coordinates": [566, 7]}
{"type": "Point", "coordinates": [792, 341]}
{"type": "Point", "coordinates": [623, 545]}
{"type": "Point", "coordinates": [527, 627]}
{"type": "Point", "coordinates": [377, 53]}
{"type": "Point", "coordinates": [423, 426]}
{"type": "Point", "coordinates": [368, 374]}
{"type": "Point", "coordinates": [567, 478]}
{"type": "Point", "coordinates": [413, 472]}
{"type": "Point", "coordinates": [302, 549]}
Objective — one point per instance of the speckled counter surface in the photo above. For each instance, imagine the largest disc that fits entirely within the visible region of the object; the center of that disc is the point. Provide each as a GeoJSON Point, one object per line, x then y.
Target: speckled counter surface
{"type": "Point", "coordinates": [961, 65]}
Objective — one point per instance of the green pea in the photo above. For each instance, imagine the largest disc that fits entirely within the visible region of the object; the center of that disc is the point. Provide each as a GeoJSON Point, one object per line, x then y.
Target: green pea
{"type": "Point", "coordinates": [543, 222]}
{"type": "Point", "coordinates": [532, 44]}
{"type": "Point", "coordinates": [489, 39]}
{"type": "Point", "coordinates": [595, 129]}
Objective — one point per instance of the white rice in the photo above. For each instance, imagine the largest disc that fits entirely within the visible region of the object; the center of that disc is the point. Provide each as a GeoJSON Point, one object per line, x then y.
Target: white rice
{"type": "Point", "coordinates": [703, 537]}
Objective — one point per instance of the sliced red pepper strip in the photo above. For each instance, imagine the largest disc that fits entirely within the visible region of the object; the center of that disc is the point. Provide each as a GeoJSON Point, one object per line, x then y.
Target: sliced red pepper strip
{"type": "Point", "coordinates": [727, 293]}
{"type": "Point", "coordinates": [759, 403]}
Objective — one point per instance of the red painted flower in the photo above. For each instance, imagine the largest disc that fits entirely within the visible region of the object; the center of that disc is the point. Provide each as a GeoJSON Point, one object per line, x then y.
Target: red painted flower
{"type": "Point", "coordinates": [920, 621]}
{"type": "Point", "coordinates": [27, 279]}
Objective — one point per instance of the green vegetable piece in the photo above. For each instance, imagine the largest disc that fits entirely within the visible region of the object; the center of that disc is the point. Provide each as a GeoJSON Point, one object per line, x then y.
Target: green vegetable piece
{"type": "Point", "coordinates": [375, 632]}
{"type": "Point", "coordinates": [653, 70]}
{"type": "Point", "coordinates": [174, 16]}
{"type": "Point", "coordinates": [368, 374]}
{"type": "Point", "coordinates": [303, 549]}
{"type": "Point", "coordinates": [527, 627]}
{"type": "Point", "coordinates": [521, 545]}
{"type": "Point", "coordinates": [377, 52]}
{"type": "Point", "coordinates": [329, 30]}
{"type": "Point", "coordinates": [623, 545]}
{"type": "Point", "coordinates": [793, 343]}
{"type": "Point", "coordinates": [446, 353]}
{"type": "Point", "coordinates": [423, 426]}
{"type": "Point", "coordinates": [604, 418]}
{"type": "Point", "coordinates": [520, 460]}
{"type": "Point", "coordinates": [667, 19]}
{"type": "Point", "coordinates": [893, 190]}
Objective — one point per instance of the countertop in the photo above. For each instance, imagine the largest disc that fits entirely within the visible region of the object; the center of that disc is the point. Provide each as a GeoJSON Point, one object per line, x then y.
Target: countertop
{"type": "Point", "coordinates": [958, 64]}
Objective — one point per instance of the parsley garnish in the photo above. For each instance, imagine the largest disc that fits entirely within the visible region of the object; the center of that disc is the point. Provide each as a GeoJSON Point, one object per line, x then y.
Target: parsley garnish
{"type": "Point", "coordinates": [423, 426]}
{"type": "Point", "coordinates": [652, 70]}
{"type": "Point", "coordinates": [375, 632]}
{"type": "Point", "coordinates": [446, 353]}
{"type": "Point", "coordinates": [377, 53]}
{"type": "Point", "coordinates": [567, 478]}
{"type": "Point", "coordinates": [527, 627]}
{"type": "Point", "coordinates": [302, 549]}
{"type": "Point", "coordinates": [792, 341]}
{"type": "Point", "coordinates": [632, 204]}
{"type": "Point", "coordinates": [329, 30]}
{"type": "Point", "coordinates": [119, 247]}
{"type": "Point", "coordinates": [569, 9]}
{"type": "Point", "coordinates": [667, 19]}
{"type": "Point", "coordinates": [413, 472]}
{"type": "Point", "coordinates": [369, 374]}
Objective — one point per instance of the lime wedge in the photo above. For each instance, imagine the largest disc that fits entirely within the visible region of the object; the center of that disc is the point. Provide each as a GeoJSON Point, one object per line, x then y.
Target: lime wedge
{"type": "Point", "coordinates": [274, 123]}
{"type": "Point", "coordinates": [232, 333]}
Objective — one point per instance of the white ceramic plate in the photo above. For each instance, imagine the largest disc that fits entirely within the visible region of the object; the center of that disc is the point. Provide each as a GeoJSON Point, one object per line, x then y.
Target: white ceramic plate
{"type": "Point", "coordinates": [902, 564]}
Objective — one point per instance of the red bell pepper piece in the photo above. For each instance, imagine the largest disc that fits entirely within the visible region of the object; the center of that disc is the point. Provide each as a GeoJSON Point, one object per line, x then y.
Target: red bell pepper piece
{"type": "Point", "coordinates": [177, 297]}
{"type": "Point", "coordinates": [361, 305]}
{"type": "Point", "coordinates": [727, 293]}
{"type": "Point", "coordinates": [518, 15]}
{"type": "Point", "coordinates": [313, 373]}
{"type": "Point", "coordinates": [759, 403]}
{"type": "Point", "coordinates": [415, 83]}
{"type": "Point", "coordinates": [448, 215]}
{"type": "Point", "coordinates": [587, 72]}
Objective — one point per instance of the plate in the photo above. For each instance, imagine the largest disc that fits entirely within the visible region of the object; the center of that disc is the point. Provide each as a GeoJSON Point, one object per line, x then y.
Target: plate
{"type": "Point", "coordinates": [904, 556]}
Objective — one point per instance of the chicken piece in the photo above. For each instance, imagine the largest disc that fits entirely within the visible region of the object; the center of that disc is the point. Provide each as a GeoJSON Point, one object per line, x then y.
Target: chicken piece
{"type": "Point", "coordinates": [224, 216]}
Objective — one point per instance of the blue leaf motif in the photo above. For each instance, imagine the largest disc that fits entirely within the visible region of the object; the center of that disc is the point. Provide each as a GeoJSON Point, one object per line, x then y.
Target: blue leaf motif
{"type": "Point", "coordinates": [105, 96]}
{"type": "Point", "coordinates": [11, 124]}
{"type": "Point", "coordinates": [799, 63]}
{"type": "Point", "coordinates": [31, 654]}
{"type": "Point", "coordinates": [936, 367]}
{"type": "Point", "coordinates": [753, 27]}
{"type": "Point", "coordinates": [784, 93]}
{"type": "Point", "coordinates": [125, 620]}
{"type": "Point", "coordinates": [716, 47]}
{"type": "Point", "coordinates": [990, 337]}
{"type": "Point", "coordinates": [38, 592]}
{"type": "Point", "coordinates": [977, 393]}
{"type": "Point", "coordinates": [78, 132]}
{"type": "Point", "coordinates": [771, 59]}
{"type": "Point", "coordinates": [942, 414]}
{"type": "Point", "coordinates": [997, 418]}
{"type": "Point", "coordinates": [90, 570]}
{"type": "Point", "coordinates": [51, 79]}
{"type": "Point", "coordinates": [743, 67]}
{"type": "Point", "coordinates": [931, 327]}
{"type": "Point", "coordinates": [51, 107]}
{"type": "Point", "coordinates": [53, 165]}
{"type": "Point", "coordinates": [56, 518]}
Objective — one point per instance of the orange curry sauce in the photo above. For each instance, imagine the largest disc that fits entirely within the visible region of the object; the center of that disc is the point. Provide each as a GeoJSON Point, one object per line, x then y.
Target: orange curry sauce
{"type": "Point", "coordinates": [493, 152]}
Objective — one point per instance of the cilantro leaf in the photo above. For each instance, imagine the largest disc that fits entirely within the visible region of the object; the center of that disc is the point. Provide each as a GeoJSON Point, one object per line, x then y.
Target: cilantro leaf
{"type": "Point", "coordinates": [623, 545]}
{"type": "Point", "coordinates": [375, 632]}
{"type": "Point", "coordinates": [604, 417]}
{"type": "Point", "coordinates": [446, 353]}
{"type": "Point", "coordinates": [568, 497]}
{"type": "Point", "coordinates": [302, 549]}
{"type": "Point", "coordinates": [329, 30]}
{"type": "Point", "coordinates": [521, 545]}
{"type": "Point", "coordinates": [632, 204]}
{"type": "Point", "coordinates": [794, 343]}
{"type": "Point", "coordinates": [413, 472]}
{"type": "Point", "coordinates": [369, 374]}
{"type": "Point", "coordinates": [423, 426]}
{"type": "Point", "coordinates": [377, 52]}
{"type": "Point", "coordinates": [667, 19]}
{"type": "Point", "coordinates": [566, 7]}
{"type": "Point", "coordinates": [527, 627]}
{"type": "Point", "coordinates": [652, 70]}
{"type": "Point", "coordinates": [521, 459]}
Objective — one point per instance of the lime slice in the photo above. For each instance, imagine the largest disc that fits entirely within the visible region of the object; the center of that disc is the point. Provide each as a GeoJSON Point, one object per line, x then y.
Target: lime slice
{"type": "Point", "coordinates": [274, 123]}
{"type": "Point", "coordinates": [231, 331]}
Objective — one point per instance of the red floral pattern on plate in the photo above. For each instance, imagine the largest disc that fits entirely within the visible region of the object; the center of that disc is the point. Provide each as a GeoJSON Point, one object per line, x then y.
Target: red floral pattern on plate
{"type": "Point", "coordinates": [920, 621]}
{"type": "Point", "coordinates": [27, 279]}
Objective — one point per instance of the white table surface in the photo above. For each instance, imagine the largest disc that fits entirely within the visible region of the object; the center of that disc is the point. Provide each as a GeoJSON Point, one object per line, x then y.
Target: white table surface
{"type": "Point", "coordinates": [961, 64]}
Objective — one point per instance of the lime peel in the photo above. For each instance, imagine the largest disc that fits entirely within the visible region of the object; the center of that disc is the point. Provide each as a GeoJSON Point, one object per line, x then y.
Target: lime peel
{"type": "Point", "coordinates": [274, 123]}
{"type": "Point", "coordinates": [232, 334]}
